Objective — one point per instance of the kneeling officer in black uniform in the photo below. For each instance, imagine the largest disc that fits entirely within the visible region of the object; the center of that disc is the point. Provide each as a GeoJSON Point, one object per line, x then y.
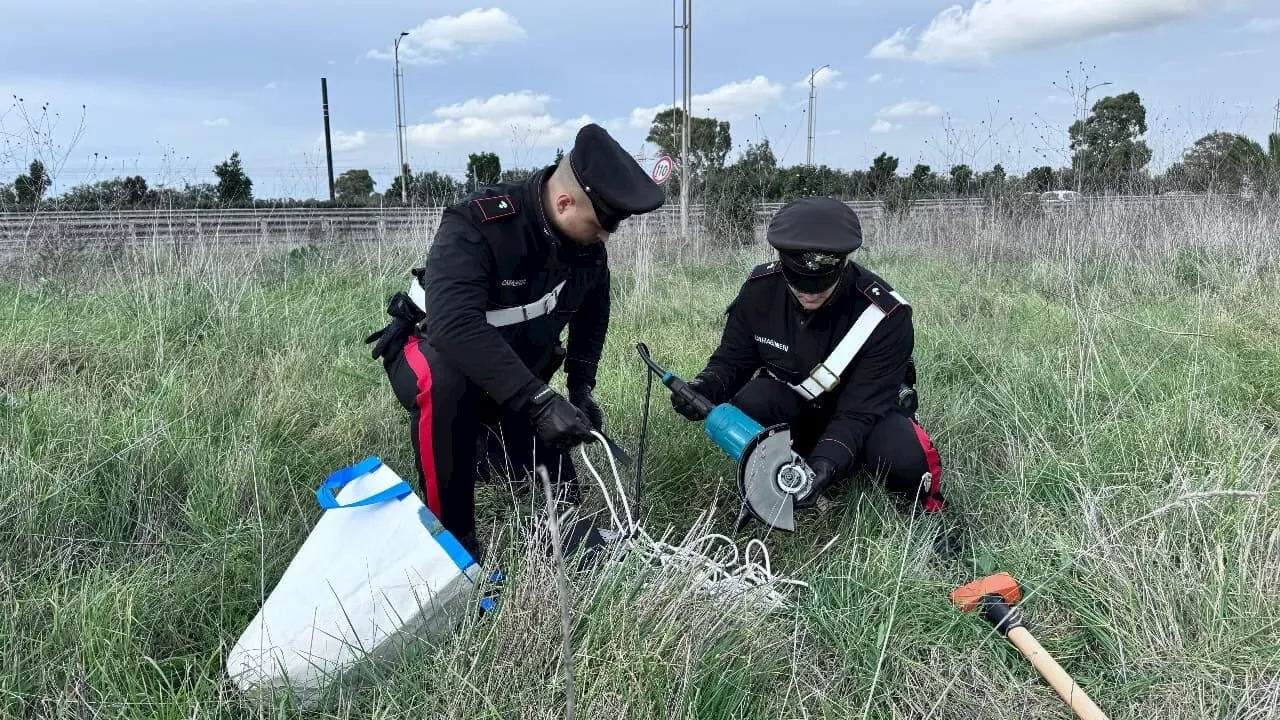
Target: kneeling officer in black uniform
{"type": "Point", "coordinates": [477, 337]}
{"type": "Point", "coordinates": [825, 345]}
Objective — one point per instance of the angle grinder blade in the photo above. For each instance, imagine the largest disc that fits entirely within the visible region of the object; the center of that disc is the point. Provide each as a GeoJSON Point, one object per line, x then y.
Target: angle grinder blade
{"type": "Point", "coordinates": [757, 480]}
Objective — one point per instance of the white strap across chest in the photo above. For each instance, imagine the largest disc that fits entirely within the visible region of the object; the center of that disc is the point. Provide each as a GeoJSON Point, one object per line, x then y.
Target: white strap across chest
{"type": "Point", "coordinates": [502, 316]}
{"type": "Point", "coordinates": [826, 375]}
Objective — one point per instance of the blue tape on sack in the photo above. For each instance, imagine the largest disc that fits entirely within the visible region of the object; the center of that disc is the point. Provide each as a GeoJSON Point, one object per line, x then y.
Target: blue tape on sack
{"type": "Point", "coordinates": [326, 493]}
{"type": "Point", "coordinates": [452, 547]}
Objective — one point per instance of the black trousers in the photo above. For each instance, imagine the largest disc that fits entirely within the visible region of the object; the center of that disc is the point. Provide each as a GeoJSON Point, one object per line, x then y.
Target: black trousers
{"type": "Point", "coordinates": [450, 420]}
{"type": "Point", "coordinates": [897, 451]}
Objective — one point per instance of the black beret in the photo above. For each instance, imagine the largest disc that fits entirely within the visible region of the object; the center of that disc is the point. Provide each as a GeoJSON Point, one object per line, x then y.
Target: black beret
{"type": "Point", "coordinates": [616, 184]}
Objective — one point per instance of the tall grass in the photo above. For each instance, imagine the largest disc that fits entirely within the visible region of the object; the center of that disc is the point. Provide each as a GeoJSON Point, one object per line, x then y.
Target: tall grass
{"type": "Point", "coordinates": [1103, 385]}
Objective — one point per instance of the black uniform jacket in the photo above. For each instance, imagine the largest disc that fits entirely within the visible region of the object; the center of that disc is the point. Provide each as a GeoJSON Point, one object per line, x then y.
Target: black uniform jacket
{"type": "Point", "coordinates": [767, 329]}
{"type": "Point", "coordinates": [495, 250]}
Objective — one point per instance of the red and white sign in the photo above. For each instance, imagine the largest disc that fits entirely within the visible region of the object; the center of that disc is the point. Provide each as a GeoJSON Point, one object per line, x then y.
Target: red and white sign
{"type": "Point", "coordinates": [662, 169]}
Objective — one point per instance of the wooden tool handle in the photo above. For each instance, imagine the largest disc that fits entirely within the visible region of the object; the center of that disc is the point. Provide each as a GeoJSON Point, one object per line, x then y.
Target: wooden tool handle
{"type": "Point", "coordinates": [1072, 694]}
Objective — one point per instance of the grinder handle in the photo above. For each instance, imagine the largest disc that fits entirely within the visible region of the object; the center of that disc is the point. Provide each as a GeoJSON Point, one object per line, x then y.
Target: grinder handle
{"type": "Point", "coordinates": [675, 384]}
{"type": "Point", "coordinates": [1072, 694]}
{"type": "Point", "coordinates": [693, 397]}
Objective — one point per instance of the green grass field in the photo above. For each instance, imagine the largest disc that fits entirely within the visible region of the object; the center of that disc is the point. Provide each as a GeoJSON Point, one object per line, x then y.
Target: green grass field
{"type": "Point", "coordinates": [1107, 421]}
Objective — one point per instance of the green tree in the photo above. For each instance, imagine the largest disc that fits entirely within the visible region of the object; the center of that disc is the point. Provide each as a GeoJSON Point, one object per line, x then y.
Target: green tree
{"type": "Point", "coordinates": [884, 170]}
{"type": "Point", "coordinates": [1223, 162]}
{"type": "Point", "coordinates": [392, 194]}
{"type": "Point", "coordinates": [483, 168]}
{"type": "Point", "coordinates": [732, 194]}
{"type": "Point", "coordinates": [234, 186]}
{"type": "Point", "coordinates": [1273, 147]}
{"type": "Point", "coordinates": [961, 178]}
{"type": "Point", "coordinates": [354, 185]}
{"type": "Point", "coordinates": [559, 156]}
{"type": "Point", "coordinates": [1040, 179]}
{"type": "Point", "coordinates": [709, 143]}
{"type": "Point", "coordinates": [1108, 152]}
{"type": "Point", "coordinates": [32, 186]}
{"type": "Point", "coordinates": [921, 178]}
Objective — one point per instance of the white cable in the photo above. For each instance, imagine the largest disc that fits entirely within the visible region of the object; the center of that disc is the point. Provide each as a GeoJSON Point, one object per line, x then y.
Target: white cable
{"type": "Point", "coordinates": [725, 578]}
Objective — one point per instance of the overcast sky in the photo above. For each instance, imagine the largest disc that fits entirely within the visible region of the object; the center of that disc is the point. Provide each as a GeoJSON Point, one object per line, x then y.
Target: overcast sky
{"type": "Point", "coordinates": [170, 88]}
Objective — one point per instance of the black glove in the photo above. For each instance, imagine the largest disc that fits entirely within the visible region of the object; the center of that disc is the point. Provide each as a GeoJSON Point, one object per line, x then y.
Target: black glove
{"type": "Point", "coordinates": [390, 338]}
{"type": "Point", "coordinates": [581, 397]}
{"type": "Point", "coordinates": [556, 421]}
{"type": "Point", "coordinates": [404, 319]}
{"type": "Point", "coordinates": [685, 408]}
{"type": "Point", "coordinates": [824, 471]}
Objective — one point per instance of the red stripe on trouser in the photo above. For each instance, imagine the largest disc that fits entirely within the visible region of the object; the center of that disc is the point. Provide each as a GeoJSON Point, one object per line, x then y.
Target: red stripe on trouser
{"type": "Point", "coordinates": [933, 503]}
{"type": "Point", "coordinates": [418, 362]}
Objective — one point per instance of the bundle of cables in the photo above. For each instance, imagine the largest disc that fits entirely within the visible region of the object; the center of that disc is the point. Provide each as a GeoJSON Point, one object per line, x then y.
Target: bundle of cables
{"type": "Point", "coordinates": [712, 560]}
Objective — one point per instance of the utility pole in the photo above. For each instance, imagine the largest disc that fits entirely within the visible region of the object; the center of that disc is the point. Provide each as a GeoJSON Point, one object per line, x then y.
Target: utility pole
{"type": "Point", "coordinates": [1276, 127]}
{"type": "Point", "coordinates": [328, 144]}
{"type": "Point", "coordinates": [808, 157]}
{"type": "Point", "coordinates": [400, 145]}
{"type": "Point", "coordinates": [686, 120]}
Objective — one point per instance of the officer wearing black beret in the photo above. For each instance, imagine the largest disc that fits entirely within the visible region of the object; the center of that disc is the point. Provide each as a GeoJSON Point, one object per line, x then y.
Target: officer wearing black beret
{"type": "Point", "coordinates": [824, 344]}
{"type": "Point", "coordinates": [473, 342]}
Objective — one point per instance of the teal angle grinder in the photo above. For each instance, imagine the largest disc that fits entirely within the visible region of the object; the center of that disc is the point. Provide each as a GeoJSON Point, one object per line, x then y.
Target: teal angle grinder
{"type": "Point", "coordinates": [771, 476]}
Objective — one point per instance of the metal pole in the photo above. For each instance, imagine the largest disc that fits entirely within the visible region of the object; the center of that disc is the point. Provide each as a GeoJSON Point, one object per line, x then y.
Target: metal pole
{"type": "Point", "coordinates": [685, 124]}
{"type": "Point", "coordinates": [328, 144]}
{"type": "Point", "coordinates": [404, 181]}
{"type": "Point", "coordinates": [813, 123]}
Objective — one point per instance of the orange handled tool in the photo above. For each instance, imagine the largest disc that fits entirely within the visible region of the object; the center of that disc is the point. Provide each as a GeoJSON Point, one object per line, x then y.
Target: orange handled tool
{"type": "Point", "coordinates": [995, 598]}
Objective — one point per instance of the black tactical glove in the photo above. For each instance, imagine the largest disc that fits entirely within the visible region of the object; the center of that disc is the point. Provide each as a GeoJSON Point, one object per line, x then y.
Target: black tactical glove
{"type": "Point", "coordinates": [824, 471]}
{"type": "Point", "coordinates": [556, 421]}
{"type": "Point", "coordinates": [684, 407]}
{"type": "Point", "coordinates": [404, 319]}
{"type": "Point", "coordinates": [390, 338]}
{"type": "Point", "coordinates": [581, 397]}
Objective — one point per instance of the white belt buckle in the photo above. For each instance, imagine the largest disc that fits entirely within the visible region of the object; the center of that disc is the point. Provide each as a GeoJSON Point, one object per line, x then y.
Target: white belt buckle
{"type": "Point", "coordinates": [831, 377]}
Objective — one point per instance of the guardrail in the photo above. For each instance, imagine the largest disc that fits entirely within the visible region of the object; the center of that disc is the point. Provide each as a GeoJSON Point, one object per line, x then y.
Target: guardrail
{"type": "Point", "coordinates": [309, 225]}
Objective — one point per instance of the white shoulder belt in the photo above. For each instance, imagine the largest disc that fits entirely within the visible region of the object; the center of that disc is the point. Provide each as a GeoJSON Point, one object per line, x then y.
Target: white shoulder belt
{"type": "Point", "coordinates": [501, 316]}
{"type": "Point", "coordinates": [826, 375]}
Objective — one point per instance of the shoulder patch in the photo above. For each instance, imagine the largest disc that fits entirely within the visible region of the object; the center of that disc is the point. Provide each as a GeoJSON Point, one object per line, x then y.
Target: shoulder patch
{"type": "Point", "coordinates": [765, 270]}
{"type": "Point", "coordinates": [494, 207]}
{"type": "Point", "coordinates": [881, 297]}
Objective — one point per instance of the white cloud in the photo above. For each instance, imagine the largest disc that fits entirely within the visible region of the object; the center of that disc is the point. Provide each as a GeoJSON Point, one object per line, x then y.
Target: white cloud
{"type": "Point", "coordinates": [825, 77]}
{"type": "Point", "coordinates": [1263, 25]}
{"type": "Point", "coordinates": [1240, 53]}
{"type": "Point", "coordinates": [911, 108]}
{"type": "Point", "coordinates": [875, 78]}
{"type": "Point", "coordinates": [730, 101]}
{"type": "Point", "coordinates": [883, 126]}
{"type": "Point", "coordinates": [438, 37]}
{"type": "Point", "coordinates": [643, 117]}
{"type": "Point", "coordinates": [737, 99]}
{"type": "Point", "coordinates": [343, 142]}
{"type": "Point", "coordinates": [520, 117]}
{"type": "Point", "coordinates": [216, 122]}
{"type": "Point", "coordinates": [269, 86]}
{"type": "Point", "coordinates": [990, 27]}
{"type": "Point", "coordinates": [498, 107]}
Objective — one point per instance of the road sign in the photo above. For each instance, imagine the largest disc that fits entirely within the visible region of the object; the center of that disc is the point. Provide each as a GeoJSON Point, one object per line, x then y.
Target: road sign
{"type": "Point", "coordinates": [662, 169]}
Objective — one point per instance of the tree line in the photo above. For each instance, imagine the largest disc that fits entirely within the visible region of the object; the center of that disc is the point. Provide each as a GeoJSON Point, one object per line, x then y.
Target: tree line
{"type": "Point", "coordinates": [1109, 156]}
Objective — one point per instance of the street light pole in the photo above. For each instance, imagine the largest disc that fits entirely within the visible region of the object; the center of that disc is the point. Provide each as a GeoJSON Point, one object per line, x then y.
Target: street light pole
{"type": "Point", "coordinates": [808, 158]}
{"type": "Point", "coordinates": [686, 123]}
{"type": "Point", "coordinates": [1084, 115]}
{"type": "Point", "coordinates": [404, 181]}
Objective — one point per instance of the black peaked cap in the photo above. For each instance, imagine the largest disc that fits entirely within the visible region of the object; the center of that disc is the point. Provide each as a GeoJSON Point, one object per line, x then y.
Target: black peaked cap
{"type": "Point", "coordinates": [616, 184]}
{"type": "Point", "coordinates": [815, 225]}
